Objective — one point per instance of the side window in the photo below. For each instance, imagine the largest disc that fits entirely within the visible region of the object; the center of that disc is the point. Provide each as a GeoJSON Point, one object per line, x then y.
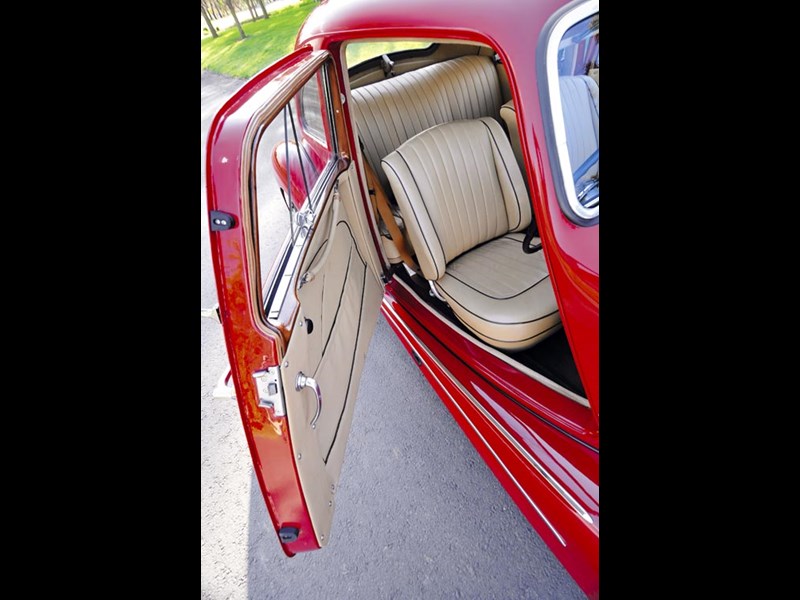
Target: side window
{"type": "Point", "coordinates": [573, 78]}
{"type": "Point", "coordinates": [293, 153]}
{"type": "Point", "coordinates": [311, 110]}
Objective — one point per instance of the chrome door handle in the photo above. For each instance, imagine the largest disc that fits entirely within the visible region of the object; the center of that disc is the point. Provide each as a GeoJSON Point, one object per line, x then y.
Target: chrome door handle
{"type": "Point", "coordinates": [300, 382]}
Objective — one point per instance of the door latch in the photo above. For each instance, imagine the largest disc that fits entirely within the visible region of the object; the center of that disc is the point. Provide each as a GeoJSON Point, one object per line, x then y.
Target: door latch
{"type": "Point", "coordinates": [270, 391]}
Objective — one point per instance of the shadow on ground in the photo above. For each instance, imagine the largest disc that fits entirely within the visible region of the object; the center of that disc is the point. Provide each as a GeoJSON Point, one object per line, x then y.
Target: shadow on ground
{"type": "Point", "coordinates": [419, 514]}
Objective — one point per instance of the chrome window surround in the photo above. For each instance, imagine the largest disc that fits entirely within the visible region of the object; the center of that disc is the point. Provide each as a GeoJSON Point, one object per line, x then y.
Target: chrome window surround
{"type": "Point", "coordinates": [565, 168]}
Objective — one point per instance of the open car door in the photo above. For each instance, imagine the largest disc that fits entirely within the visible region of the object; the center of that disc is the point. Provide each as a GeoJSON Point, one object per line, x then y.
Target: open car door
{"type": "Point", "coordinates": [298, 282]}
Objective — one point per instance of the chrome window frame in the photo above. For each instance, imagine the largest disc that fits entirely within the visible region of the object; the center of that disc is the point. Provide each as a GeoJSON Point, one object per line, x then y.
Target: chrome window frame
{"type": "Point", "coordinates": [561, 166]}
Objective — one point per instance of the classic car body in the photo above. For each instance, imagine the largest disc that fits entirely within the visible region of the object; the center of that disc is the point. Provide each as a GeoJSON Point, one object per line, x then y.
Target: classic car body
{"type": "Point", "coordinates": [492, 123]}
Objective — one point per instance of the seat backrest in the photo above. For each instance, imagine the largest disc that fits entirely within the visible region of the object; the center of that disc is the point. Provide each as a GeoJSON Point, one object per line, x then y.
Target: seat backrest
{"type": "Point", "coordinates": [458, 185]}
{"type": "Point", "coordinates": [393, 110]}
{"type": "Point", "coordinates": [509, 114]}
{"type": "Point", "coordinates": [580, 97]}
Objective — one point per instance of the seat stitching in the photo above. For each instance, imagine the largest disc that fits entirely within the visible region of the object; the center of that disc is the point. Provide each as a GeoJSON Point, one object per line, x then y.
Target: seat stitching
{"type": "Point", "coordinates": [489, 320]}
{"type": "Point", "coordinates": [450, 274]}
{"type": "Point", "coordinates": [425, 239]}
{"type": "Point", "coordinates": [425, 206]}
{"type": "Point", "coordinates": [513, 187]}
{"type": "Point", "coordinates": [517, 341]}
{"type": "Point", "coordinates": [490, 233]}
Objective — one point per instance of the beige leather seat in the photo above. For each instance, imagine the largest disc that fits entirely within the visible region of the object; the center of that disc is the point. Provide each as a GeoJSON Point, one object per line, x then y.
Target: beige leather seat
{"type": "Point", "coordinates": [466, 209]}
{"type": "Point", "coordinates": [391, 111]}
{"type": "Point", "coordinates": [509, 114]}
{"type": "Point", "coordinates": [580, 99]}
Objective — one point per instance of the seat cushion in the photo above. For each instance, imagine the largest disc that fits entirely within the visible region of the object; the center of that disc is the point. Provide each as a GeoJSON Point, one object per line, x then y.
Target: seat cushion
{"type": "Point", "coordinates": [391, 111]}
{"type": "Point", "coordinates": [501, 294]}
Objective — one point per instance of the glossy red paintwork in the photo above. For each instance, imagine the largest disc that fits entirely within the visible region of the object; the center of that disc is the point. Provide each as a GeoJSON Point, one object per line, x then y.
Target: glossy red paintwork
{"type": "Point", "coordinates": [561, 435]}
{"type": "Point", "coordinates": [575, 466]}
{"type": "Point", "coordinates": [249, 350]}
{"type": "Point", "coordinates": [512, 28]}
{"type": "Point", "coordinates": [298, 191]}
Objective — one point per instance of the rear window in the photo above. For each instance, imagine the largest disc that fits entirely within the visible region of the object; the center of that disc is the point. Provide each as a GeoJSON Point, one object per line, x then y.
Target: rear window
{"type": "Point", "coordinates": [359, 52]}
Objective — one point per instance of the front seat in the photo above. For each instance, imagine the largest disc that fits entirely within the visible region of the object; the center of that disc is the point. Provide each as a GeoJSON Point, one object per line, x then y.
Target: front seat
{"type": "Point", "coordinates": [466, 209]}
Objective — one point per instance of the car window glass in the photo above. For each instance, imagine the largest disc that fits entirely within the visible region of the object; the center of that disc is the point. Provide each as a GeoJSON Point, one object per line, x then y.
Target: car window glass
{"type": "Point", "coordinates": [359, 52]}
{"type": "Point", "coordinates": [576, 89]}
{"type": "Point", "coordinates": [299, 137]}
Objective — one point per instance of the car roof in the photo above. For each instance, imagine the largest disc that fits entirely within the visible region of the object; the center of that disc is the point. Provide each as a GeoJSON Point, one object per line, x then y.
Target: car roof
{"type": "Point", "coordinates": [489, 19]}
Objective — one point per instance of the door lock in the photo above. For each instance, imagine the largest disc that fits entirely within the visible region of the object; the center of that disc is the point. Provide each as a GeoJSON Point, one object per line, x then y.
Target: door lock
{"type": "Point", "coordinates": [270, 392]}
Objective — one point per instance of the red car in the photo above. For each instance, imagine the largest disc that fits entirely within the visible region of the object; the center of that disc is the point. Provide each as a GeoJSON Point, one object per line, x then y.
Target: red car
{"type": "Point", "coordinates": [439, 162]}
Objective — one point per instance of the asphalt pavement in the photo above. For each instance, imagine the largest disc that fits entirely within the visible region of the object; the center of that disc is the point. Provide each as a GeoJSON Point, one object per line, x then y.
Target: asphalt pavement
{"type": "Point", "coordinates": [418, 512]}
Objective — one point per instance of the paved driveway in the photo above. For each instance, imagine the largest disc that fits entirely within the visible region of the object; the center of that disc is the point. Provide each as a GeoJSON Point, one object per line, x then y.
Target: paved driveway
{"type": "Point", "coordinates": [419, 514]}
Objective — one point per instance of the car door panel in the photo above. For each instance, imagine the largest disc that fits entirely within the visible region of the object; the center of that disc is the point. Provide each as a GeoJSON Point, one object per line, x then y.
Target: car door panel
{"type": "Point", "coordinates": [320, 327]}
{"type": "Point", "coordinates": [342, 303]}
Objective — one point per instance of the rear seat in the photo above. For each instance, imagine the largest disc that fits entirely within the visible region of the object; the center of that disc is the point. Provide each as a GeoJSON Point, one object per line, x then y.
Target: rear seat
{"type": "Point", "coordinates": [580, 97]}
{"type": "Point", "coordinates": [391, 111]}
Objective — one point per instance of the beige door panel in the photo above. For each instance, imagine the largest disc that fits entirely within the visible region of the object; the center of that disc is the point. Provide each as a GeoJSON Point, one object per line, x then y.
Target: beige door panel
{"type": "Point", "coordinates": [339, 307]}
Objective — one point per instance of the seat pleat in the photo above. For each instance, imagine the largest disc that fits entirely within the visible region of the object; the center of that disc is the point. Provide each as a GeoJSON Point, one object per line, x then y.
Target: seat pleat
{"type": "Point", "coordinates": [391, 111]}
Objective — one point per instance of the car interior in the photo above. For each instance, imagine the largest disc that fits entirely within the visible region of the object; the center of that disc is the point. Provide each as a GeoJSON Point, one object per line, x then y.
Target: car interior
{"type": "Point", "coordinates": [438, 130]}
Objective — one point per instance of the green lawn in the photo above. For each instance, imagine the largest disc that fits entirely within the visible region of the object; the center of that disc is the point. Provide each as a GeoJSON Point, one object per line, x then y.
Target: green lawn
{"type": "Point", "coordinates": [267, 41]}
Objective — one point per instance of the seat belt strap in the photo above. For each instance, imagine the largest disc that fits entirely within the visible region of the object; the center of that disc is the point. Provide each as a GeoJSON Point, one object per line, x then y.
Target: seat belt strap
{"type": "Point", "coordinates": [533, 231]}
{"type": "Point", "coordinates": [381, 203]}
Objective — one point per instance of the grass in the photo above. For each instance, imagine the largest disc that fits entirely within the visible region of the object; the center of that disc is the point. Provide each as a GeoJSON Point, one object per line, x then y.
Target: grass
{"type": "Point", "coordinates": [267, 41]}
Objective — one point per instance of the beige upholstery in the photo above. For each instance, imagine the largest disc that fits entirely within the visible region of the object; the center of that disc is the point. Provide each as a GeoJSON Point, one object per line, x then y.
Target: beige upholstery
{"type": "Point", "coordinates": [509, 115]}
{"type": "Point", "coordinates": [462, 194]}
{"type": "Point", "coordinates": [580, 97]}
{"type": "Point", "coordinates": [456, 188]}
{"type": "Point", "coordinates": [343, 303]}
{"type": "Point", "coordinates": [391, 111]}
{"type": "Point", "coordinates": [501, 294]}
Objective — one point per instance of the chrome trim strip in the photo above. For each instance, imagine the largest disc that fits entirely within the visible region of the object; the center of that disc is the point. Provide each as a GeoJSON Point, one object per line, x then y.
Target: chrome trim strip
{"type": "Point", "coordinates": [568, 498]}
{"type": "Point", "coordinates": [493, 351]}
{"type": "Point", "coordinates": [559, 128]}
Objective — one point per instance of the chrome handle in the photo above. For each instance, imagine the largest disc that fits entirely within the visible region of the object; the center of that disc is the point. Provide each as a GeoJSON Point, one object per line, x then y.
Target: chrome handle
{"type": "Point", "coordinates": [300, 382]}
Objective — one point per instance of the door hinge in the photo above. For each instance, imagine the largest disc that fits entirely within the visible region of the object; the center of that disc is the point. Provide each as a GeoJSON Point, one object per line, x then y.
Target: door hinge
{"type": "Point", "coordinates": [270, 391]}
{"type": "Point", "coordinates": [221, 221]}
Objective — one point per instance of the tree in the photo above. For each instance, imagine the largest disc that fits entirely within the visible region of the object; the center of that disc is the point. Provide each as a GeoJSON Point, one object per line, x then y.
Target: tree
{"type": "Point", "coordinates": [253, 13]}
{"type": "Point", "coordinates": [229, 4]}
{"type": "Point", "coordinates": [264, 8]}
{"type": "Point", "coordinates": [212, 7]}
{"type": "Point", "coordinates": [208, 20]}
